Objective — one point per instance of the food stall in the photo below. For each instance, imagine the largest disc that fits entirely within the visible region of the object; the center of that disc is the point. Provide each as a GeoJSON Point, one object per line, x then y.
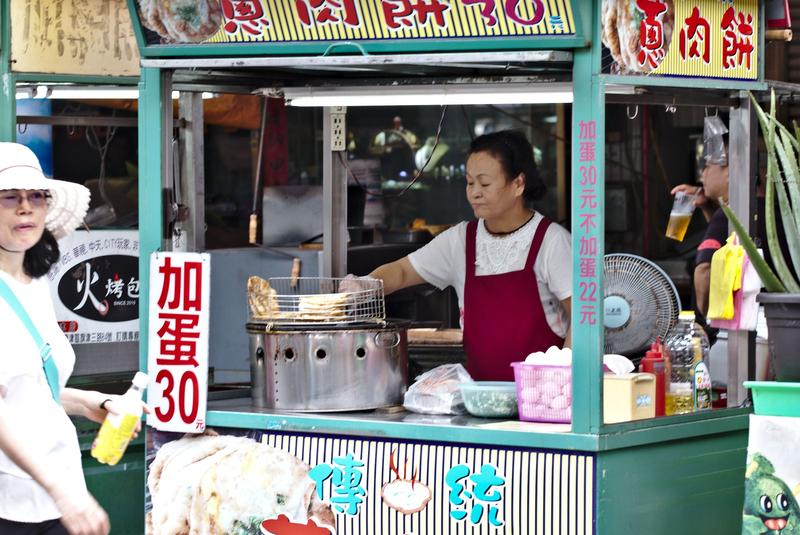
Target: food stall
{"type": "Point", "coordinates": [386, 470]}
{"type": "Point", "coordinates": [62, 69]}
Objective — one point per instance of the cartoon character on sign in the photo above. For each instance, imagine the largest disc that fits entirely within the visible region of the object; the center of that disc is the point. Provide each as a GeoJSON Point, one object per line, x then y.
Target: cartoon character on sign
{"type": "Point", "coordinates": [769, 505]}
{"type": "Point", "coordinates": [347, 493]}
{"type": "Point", "coordinates": [480, 493]}
{"type": "Point", "coordinates": [405, 495]}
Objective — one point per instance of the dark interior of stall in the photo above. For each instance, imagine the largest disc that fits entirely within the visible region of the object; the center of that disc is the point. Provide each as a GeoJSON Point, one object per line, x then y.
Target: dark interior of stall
{"type": "Point", "coordinates": [404, 185]}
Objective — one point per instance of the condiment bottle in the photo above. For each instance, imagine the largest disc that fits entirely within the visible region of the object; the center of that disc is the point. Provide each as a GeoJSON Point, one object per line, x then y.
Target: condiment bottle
{"type": "Point", "coordinates": [654, 362]}
{"type": "Point", "coordinates": [117, 429]}
{"type": "Point", "coordinates": [681, 346]}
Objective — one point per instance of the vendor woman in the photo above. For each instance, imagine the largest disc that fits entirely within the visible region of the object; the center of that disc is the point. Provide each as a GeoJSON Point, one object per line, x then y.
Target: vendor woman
{"type": "Point", "coordinates": [511, 268]}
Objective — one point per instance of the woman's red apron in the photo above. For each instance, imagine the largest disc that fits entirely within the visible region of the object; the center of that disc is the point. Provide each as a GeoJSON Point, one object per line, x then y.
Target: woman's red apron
{"type": "Point", "coordinates": [503, 316]}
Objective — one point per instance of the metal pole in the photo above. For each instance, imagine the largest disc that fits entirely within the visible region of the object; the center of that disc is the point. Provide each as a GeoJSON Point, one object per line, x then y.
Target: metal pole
{"type": "Point", "coordinates": [741, 197]}
{"type": "Point", "coordinates": [193, 169]}
{"type": "Point", "coordinates": [334, 195]}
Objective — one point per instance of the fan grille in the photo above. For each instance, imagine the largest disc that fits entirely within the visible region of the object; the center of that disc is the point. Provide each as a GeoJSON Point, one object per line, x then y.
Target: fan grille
{"type": "Point", "coordinates": [653, 300]}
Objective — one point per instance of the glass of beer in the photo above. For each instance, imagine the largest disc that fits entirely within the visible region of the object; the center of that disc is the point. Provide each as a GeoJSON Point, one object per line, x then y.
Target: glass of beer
{"type": "Point", "coordinates": [680, 215]}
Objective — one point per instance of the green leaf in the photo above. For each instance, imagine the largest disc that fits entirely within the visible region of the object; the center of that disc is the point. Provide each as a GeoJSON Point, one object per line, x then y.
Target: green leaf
{"type": "Point", "coordinates": [773, 176]}
{"type": "Point", "coordinates": [790, 214]}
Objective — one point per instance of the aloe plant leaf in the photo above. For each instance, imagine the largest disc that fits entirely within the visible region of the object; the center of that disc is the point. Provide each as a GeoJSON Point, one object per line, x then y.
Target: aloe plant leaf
{"type": "Point", "coordinates": [791, 174]}
{"type": "Point", "coordinates": [790, 223]}
{"type": "Point", "coordinates": [796, 132]}
{"type": "Point", "coordinates": [767, 276]}
{"type": "Point", "coordinates": [773, 176]}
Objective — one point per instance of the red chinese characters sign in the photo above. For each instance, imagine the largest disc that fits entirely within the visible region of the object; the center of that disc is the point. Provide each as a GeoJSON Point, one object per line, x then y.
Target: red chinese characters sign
{"type": "Point", "coordinates": [286, 21]}
{"type": "Point", "coordinates": [178, 341]}
{"type": "Point", "coordinates": [692, 38]}
{"type": "Point", "coordinates": [588, 212]}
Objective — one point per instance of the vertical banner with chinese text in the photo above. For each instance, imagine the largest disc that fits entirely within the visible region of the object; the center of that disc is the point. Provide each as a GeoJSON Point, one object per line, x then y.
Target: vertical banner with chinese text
{"type": "Point", "coordinates": [178, 341]}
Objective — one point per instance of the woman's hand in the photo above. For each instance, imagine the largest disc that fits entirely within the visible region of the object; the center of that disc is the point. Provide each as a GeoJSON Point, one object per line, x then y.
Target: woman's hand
{"type": "Point", "coordinates": [705, 204]}
{"type": "Point", "coordinates": [87, 403]}
{"type": "Point", "coordinates": [699, 200]}
{"type": "Point", "coordinates": [112, 406]}
{"type": "Point", "coordinates": [81, 514]}
{"type": "Point", "coordinates": [352, 283]}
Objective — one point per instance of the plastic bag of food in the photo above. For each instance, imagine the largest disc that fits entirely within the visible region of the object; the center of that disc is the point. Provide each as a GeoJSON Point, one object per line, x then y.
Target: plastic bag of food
{"type": "Point", "coordinates": [436, 391]}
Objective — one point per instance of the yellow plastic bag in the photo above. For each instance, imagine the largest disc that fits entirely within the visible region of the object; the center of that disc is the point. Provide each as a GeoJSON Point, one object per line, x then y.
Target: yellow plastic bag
{"type": "Point", "coordinates": [726, 278]}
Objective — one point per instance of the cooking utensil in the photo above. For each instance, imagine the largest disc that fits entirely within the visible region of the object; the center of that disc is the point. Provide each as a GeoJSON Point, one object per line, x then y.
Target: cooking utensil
{"type": "Point", "coordinates": [340, 367]}
{"type": "Point", "coordinates": [406, 236]}
{"type": "Point", "coordinates": [316, 301]}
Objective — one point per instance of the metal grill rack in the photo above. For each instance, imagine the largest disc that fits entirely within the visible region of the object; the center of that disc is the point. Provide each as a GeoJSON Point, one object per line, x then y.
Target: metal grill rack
{"type": "Point", "coordinates": [316, 301]}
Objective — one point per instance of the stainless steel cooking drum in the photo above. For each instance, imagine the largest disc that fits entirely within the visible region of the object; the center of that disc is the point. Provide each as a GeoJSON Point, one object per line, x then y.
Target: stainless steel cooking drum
{"type": "Point", "coordinates": [329, 368]}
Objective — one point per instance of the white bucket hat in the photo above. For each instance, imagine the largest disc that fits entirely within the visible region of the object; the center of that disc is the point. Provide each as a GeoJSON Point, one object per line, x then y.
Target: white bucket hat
{"type": "Point", "coordinates": [20, 169]}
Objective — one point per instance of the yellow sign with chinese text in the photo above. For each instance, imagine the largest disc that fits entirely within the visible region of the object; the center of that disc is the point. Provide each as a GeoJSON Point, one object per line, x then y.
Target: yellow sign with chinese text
{"type": "Point", "coordinates": [692, 38]}
{"type": "Point", "coordinates": [297, 21]}
{"type": "Point", "coordinates": [73, 37]}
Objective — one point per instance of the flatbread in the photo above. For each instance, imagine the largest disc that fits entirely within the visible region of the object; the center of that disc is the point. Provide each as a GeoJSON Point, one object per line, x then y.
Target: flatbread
{"type": "Point", "coordinates": [323, 306]}
{"type": "Point", "coordinates": [172, 488]}
{"type": "Point", "coordinates": [151, 18]}
{"type": "Point", "coordinates": [182, 21]}
{"type": "Point", "coordinates": [191, 21]}
{"type": "Point", "coordinates": [226, 484]}
{"type": "Point", "coordinates": [254, 483]}
{"type": "Point", "coordinates": [263, 299]}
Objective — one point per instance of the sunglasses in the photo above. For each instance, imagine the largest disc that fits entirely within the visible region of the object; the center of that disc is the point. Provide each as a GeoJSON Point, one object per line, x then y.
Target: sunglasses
{"type": "Point", "coordinates": [12, 199]}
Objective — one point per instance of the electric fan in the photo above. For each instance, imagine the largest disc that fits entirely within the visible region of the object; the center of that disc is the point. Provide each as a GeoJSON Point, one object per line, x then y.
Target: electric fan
{"type": "Point", "coordinates": [640, 304]}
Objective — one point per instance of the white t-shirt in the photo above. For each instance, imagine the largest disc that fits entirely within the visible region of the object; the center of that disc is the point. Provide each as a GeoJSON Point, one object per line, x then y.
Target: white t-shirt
{"type": "Point", "coordinates": [31, 407]}
{"type": "Point", "coordinates": [442, 263]}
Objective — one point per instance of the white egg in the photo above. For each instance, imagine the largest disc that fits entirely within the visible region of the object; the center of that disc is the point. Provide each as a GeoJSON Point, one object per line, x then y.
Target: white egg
{"type": "Point", "coordinates": [530, 394]}
{"type": "Point", "coordinates": [559, 402]}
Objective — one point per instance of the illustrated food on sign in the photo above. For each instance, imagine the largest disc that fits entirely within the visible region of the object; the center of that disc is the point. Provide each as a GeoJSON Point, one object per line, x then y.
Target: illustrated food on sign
{"type": "Point", "coordinates": [182, 21]}
{"type": "Point", "coordinates": [215, 485]}
{"type": "Point", "coordinates": [405, 495]}
{"type": "Point", "coordinates": [637, 33]}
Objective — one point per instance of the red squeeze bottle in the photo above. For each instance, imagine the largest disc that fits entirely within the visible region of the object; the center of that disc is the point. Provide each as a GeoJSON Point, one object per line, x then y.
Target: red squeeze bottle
{"type": "Point", "coordinates": [654, 362]}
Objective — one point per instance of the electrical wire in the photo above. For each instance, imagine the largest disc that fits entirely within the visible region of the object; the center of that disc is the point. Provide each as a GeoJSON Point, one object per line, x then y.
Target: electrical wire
{"type": "Point", "coordinates": [93, 139]}
{"type": "Point", "coordinates": [417, 175]}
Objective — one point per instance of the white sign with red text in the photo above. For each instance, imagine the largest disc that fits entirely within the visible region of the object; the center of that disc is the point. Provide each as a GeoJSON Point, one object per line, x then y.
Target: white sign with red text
{"type": "Point", "coordinates": [95, 286]}
{"type": "Point", "coordinates": [178, 341]}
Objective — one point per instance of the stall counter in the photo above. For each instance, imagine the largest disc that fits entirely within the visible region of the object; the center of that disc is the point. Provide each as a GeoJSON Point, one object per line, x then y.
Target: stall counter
{"type": "Point", "coordinates": [629, 478]}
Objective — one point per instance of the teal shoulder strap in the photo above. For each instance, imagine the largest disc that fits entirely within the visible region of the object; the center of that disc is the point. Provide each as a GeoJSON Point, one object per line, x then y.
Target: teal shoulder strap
{"type": "Point", "coordinates": [49, 366]}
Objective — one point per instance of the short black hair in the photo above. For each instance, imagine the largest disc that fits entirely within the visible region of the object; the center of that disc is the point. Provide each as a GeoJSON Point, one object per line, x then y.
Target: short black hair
{"type": "Point", "coordinates": [515, 154]}
{"type": "Point", "coordinates": [41, 257]}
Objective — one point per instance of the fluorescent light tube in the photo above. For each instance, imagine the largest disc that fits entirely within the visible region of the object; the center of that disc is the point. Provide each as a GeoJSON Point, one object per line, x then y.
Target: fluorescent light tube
{"type": "Point", "coordinates": [554, 93]}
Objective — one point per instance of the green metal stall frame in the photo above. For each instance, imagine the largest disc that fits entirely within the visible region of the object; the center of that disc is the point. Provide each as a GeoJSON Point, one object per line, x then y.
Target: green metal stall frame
{"type": "Point", "coordinates": [672, 474]}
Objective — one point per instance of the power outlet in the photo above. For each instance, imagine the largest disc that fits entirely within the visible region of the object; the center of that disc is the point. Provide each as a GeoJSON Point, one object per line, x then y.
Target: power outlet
{"type": "Point", "coordinates": [338, 141]}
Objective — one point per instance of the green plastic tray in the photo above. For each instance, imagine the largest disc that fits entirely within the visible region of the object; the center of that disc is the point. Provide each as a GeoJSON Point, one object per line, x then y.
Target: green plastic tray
{"type": "Point", "coordinates": [775, 398]}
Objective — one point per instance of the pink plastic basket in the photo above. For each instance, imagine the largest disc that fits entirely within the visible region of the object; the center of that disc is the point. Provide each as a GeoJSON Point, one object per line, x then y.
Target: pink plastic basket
{"type": "Point", "coordinates": [544, 393]}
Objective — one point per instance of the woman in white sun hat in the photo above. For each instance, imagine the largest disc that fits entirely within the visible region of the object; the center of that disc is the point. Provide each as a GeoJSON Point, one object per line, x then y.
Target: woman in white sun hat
{"type": "Point", "coordinates": [42, 489]}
